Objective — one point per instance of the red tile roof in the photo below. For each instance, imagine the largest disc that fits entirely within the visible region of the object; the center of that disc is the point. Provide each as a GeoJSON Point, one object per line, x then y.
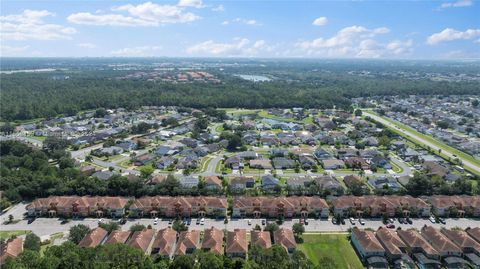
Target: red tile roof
{"type": "Point", "coordinates": [12, 248]}
{"type": "Point", "coordinates": [213, 240]}
{"type": "Point", "coordinates": [164, 241]}
{"type": "Point", "coordinates": [237, 242]}
{"type": "Point", "coordinates": [367, 240]}
{"type": "Point", "coordinates": [93, 238]}
{"type": "Point", "coordinates": [261, 239]}
{"type": "Point", "coordinates": [142, 239]}
{"type": "Point", "coordinates": [284, 237]}
{"type": "Point", "coordinates": [118, 237]}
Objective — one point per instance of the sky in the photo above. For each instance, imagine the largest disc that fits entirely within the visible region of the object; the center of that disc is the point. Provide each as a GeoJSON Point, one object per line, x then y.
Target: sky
{"type": "Point", "coordinates": [264, 29]}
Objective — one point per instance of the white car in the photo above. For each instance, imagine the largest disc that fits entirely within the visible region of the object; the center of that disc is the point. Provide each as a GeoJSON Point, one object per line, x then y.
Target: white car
{"type": "Point", "coordinates": [155, 221]}
{"type": "Point", "coordinates": [352, 221]}
{"type": "Point", "coordinates": [249, 222]}
{"type": "Point", "coordinates": [202, 221]}
{"type": "Point", "coordinates": [432, 219]}
{"type": "Point", "coordinates": [100, 221]}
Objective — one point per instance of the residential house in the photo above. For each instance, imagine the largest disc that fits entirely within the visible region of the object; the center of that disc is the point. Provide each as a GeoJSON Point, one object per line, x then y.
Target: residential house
{"type": "Point", "coordinates": [233, 162]}
{"type": "Point", "coordinates": [357, 163]}
{"type": "Point", "coordinates": [278, 152]}
{"type": "Point", "coordinates": [94, 238]}
{"type": "Point", "coordinates": [423, 253]}
{"type": "Point", "coordinates": [241, 183]}
{"type": "Point", "coordinates": [143, 159]}
{"type": "Point", "coordinates": [279, 207]}
{"type": "Point", "coordinates": [328, 182]}
{"type": "Point", "coordinates": [87, 170]}
{"type": "Point", "coordinates": [189, 181]}
{"type": "Point", "coordinates": [270, 182]}
{"type": "Point", "coordinates": [322, 154]}
{"type": "Point", "coordinates": [376, 206]}
{"type": "Point", "coordinates": [449, 252]}
{"type": "Point", "coordinates": [456, 206]}
{"type": "Point", "coordinates": [368, 247]}
{"type": "Point", "coordinates": [104, 175]}
{"type": "Point", "coordinates": [384, 182]}
{"type": "Point", "coordinates": [283, 163]}
{"type": "Point", "coordinates": [350, 180]}
{"type": "Point", "coordinates": [11, 248]}
{"type": "Point", "coordinates": [164, 162]}
{"type": "Point", "coordinates": [156, 206]}
{"type": "Point", "coordinates": [142, 240]}
{"type": "Point", "coordinates": [395, 248]}
{"type": "Point", "coordinates": [237, 243]}
{"type": "Point", "coordinates": [260, 239]}
{"type": "Point", "coordinates": [213, 183]}
{"type": "Point", "coordinates": [78, 206]}
{"type": "Point", "coordinates": [118, 237]}
{"type": "Point", "coordinates": [299, 182]}
{"type": "Point", "coordinates": [307, 162]}
{"type": "Point", "coordinates": [188, 242]}
{"type": "Point", "coordinates": [260, 164]}
{"type": "Point", "coordinates": [468, 245]}
{"type": "Point", "coordinates": [332, 164]}
{"type": "Point", "coordinates": [284, 237]}
{"type": "Point", "coordinates": [164, 243]}
{"type": "Point", "coordinates": [213, 241]}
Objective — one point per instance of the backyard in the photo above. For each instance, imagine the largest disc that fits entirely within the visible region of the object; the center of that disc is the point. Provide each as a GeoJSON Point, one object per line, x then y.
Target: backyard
{"type": "Point", "coordinates": [330, 251]}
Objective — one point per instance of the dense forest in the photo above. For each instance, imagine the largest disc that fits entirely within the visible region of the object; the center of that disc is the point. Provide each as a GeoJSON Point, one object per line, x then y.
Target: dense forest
{"type": "Point", "coordinates": [91, 84]}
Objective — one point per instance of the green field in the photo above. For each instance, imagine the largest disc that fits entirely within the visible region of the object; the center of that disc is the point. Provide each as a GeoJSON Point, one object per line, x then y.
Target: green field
{"type": "Point", "coordinates": [8, 234]}
{"type": "Point", "coordinates": [334, 247]}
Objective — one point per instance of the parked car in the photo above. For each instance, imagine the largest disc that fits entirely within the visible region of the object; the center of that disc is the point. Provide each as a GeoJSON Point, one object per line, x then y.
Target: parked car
{"type": "Point", "coordinates": [306, 221]}
{"type": "Point", "coordinates": [170, 221]}
{"type": "Point", "coordinates": [264, 222]}
{"type": "Point", "coordinates": [342, 221]}
{"type": "Point", "coordinates": [100, 221]}
{"type": "Point", "coordinates": [442, 221]}
{"type": "Point", "coordinates": [432, 219]}
{"type": "Point", "coordinates": [249, 222]}
{"type": "Point", "coordinates": [202, 221]}
{"type": "Point", "coordinates": [391, 220]}
{"type": "Point", "coordinates": [334, 221]}
{"type": "Point", "coordinates": [301, 221]}
{"type": "Point", "coordinates": [401, 220]}
{"type": "Point", "coordinates": [361, 221]}
{"type": "Point", "coordinates": [189, 221]}
{"type": "Point", "coordinates": [352, 221]}
{"type": "Point", "coordinates": [409, 221]}
{"type": "Point", "coordinates": [390, 226]}
{"type": "Point", "coordinates": [198, 222]}
{"type": "Point", "coordinates": [155, 221]}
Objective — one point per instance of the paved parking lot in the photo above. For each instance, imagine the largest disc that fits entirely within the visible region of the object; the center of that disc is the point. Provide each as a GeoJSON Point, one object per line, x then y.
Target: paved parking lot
{"type": "Point", "coordinates": [47, 226]}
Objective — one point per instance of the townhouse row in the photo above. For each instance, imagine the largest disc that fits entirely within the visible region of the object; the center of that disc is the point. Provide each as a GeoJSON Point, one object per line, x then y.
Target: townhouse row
{"type": "Point", "coordinates": [256, 207]}
{"type": "Point", "coordinates": [427, 248]}
{"type": "Point", "coordinates": [167, 243]}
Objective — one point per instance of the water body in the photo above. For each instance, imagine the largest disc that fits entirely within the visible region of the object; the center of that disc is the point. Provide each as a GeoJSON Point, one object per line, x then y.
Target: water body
{"type": "Point", "coordinates": [254, 78]}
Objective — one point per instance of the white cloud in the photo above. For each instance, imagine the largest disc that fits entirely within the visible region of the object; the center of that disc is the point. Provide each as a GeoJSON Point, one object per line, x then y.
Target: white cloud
{"type": "Point", "coordinates": [8, 51]}
{"type": "Point", "coordinates": [354, 41]}
{"type": "Point", "coordinates": [219, 8]}
{"type": "Point", "coordinates": [29, 25]}
{"type": "Point", "coordinates": [458, 3]}
{"type": "Point", "coordinates": [449, 34]}
{"type": "Point", "coordinates": [239, 47]}
{"type": "Point", "coordinates": [140, 51]}
{"type": "Point", "coordinates": [191, 3]}
{"type": "Point", "coordinates": [320, 21]}
{"type": "Point", "coordinates": [87, 45]}
{"type": "Point", "coordinates": [146, 14]}
{"type": "Point", "coordinates": [242, 21]}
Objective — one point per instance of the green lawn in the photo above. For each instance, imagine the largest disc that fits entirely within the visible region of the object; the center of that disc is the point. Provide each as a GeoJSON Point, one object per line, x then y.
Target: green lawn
{"type": "Point", "coordinates": [53, 237]}
{"type": "Point", "coordinates": [265, 114]}
{"type": "Point", "coordinates": [8, 234]}
{"type": "Point", "coordinates": [333, 246]}
{"type": "Point", "coordinates": [39, 138]}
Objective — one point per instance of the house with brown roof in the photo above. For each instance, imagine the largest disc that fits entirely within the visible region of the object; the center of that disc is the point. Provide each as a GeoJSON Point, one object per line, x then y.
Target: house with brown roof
{"type": "Point", "coordinates": [213, 183]}
{"type": "Point", "coordinates": [369, 248]}
{"type": "Point", "coordinates": [449, 252]}
{"type": "Point", "coordinates": [241, 183]}
{"type": "Point", "coordinates": [213, 241]}
{"type": "Point", "coordinates": [118, 236]}
{"type": "Point", "coordinates": [275, 207]}
{"type": "Point", "coordinates": [395, 248]}
{"type": "Point", "coordinates": [284, 237]}
{"type": "Point", "coordinates": [261, 164]}
{"type": "Point", "coordinates": [351, 179]}
{"type": "Point", "coordinates": [455, 206]}
{"type": "Point", "coordinates": [142, 240]}
{"type": "Point", "coordinates": [182, 206]}
{"type": "Point", "coordinates": [357, 163]}
{"type": "Point", "coordinates": [474, 233]}
{"type": "Point", "coordinates": [237, 243]}
{"type": "Point", "coordinates": [164, 243]}
{"type": "Point", "coordinates": [468, 245]}
{"type": "Point", "coordinates": [94, 238]}
{"type": "Point", "coordinates": [260, 239]}
{"type": "Point", "coordinates": [435, 169]}
{"type": "Point", "coordinates": [423, 253]}
{"type": "Point", "coordinates": [375, 206]}
{"type": "Point", "coordinates": [78, 206]}
{"type": "Point", "coordinates": [12, 248]}
{"type": "Point", "coordinates": [188, 242]}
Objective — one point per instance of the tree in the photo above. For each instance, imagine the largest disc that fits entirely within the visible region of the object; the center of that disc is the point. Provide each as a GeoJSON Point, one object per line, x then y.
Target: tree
{"type": "Point", "coordinates": [137, 228]}
{"type": "Point", "coordinates": [100, 113]}
{"type": "Point", "coordinates": [182, 262]}
{"type": "Point", "coordinates": [298, 229]}
{"type": "Point", "coordinates": [208, 260]}
{"type": "Point", "coordinates": [10, 218]}
{"type": "Point", "coordinates": [52, 144]}
{"type": "Point", "coordinates": [110, 226]}
{"type": "Point", "coordinates": [32, 242]}
{"type": "Point", "coordinates": [78, 232]}
{"type": "Point", "coordinates": [234, 142]}
{"type": "Point", "coordinates": [271, 227]}
{"type": "Point", "coordinates": [358, 112]}
{"type": "Point", "coordinates": [475, 102]}
{"type": "Point", "coordinates": [179, 226]}
{"type": "Point", "coordinates": [146, 170]}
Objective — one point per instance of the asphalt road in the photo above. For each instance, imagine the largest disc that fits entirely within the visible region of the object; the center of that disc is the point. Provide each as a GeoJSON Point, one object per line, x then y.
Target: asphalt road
{"type": "Point", "coordinates": [465, 162]}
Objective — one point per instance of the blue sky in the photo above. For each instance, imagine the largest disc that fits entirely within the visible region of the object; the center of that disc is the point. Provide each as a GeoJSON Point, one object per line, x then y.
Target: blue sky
{"type": "Point", "coordinates": [196, 28]}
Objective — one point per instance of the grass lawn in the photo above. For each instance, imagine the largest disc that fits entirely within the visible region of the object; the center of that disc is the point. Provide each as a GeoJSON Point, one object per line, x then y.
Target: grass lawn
{"type": "Point", "coordinates": [396, 168]}
{"type": "Point", "coordinates": [8, 234]}
{"type": "Point", "coordinates": [265, 114]}
{"type": "Point", "coordinates": [204, 163]}
{"type": "Point", "coordinates": [39, 138]}
{"type": "Point", "coordinates": [333, 246]}
{"type": "Point", "coordinates": [53, 237]}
